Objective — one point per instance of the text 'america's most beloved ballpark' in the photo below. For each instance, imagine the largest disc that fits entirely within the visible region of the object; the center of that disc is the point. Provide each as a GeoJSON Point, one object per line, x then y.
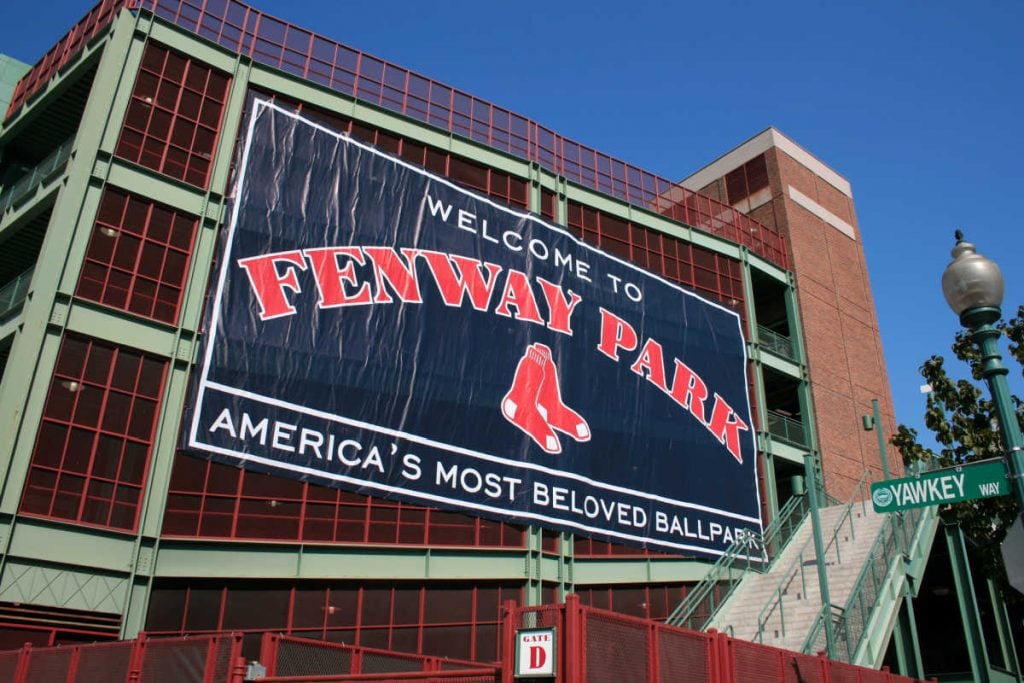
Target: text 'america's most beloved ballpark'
{"type": "Point", "coordinates": [376, 328]}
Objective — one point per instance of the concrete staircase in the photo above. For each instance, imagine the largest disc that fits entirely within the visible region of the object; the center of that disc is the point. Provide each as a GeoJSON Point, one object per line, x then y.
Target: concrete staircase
{"type": "Point", "coordinates": [780, 607]}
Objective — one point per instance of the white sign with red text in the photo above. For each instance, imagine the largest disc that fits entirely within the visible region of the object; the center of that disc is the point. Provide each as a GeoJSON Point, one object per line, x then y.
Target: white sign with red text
{"type": "Point", "coordinates": [535, 653]}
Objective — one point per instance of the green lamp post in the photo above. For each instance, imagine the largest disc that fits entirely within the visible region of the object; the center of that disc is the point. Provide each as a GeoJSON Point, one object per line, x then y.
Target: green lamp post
{"type": "Point", "coordinates": [973, 287]}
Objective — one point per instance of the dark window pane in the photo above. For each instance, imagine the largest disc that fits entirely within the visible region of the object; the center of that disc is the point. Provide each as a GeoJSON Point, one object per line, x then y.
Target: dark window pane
{"type": "Point", "coordinates": [256, 608]}
{"type": "Point", "coordinates": [203, 609]}
{"type": "Point", "coordinates": [166, 609]}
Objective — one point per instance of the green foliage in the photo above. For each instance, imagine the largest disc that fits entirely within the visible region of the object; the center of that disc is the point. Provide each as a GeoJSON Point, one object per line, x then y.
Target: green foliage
{"type": "Point", "coordinates": [962, 418]}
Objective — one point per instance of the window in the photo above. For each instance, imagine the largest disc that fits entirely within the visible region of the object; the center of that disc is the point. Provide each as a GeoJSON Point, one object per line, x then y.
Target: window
{"type": "Point", "coordinates": [647, 601]}
{"type": "Point", "coordinates": [174, 115]}
{"type": "Point", "coordinates": [708, 273]}
{"type": "Point", "coordinates": [212, 500]}
{"type": "Point", "coordinates": [746, 180]}
{"type": "Point", "coordinates": [497, 184]}
{"type": "Point", "coordinates": [459, 620]}
{"type": "Point", "coordinates": [92, 452]}
{"type": "Point", "coordinates": [138, 256]}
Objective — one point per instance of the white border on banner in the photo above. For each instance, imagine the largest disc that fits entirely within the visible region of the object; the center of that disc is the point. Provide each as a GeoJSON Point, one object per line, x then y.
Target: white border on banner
{"type": "Point", "coordinates": [204, 383]}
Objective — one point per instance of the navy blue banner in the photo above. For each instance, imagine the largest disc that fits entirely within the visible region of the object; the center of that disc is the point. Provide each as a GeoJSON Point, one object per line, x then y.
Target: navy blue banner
{"type": "Point", "coordinates": [377, 328]}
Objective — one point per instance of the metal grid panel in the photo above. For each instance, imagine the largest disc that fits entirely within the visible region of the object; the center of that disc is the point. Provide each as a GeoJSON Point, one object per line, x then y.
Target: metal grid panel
{"type": "Point", "coordinates": [9, 664]}
{"type": "Point", "coordinates": [104, 663]}
{"type": "Point", "coordinates": [307, 658]}
{"type": "Point", "coordinates": [540, 617]}
{"type": "Point", "coordinates": [229, 648]}
{"type": "Point", "coordinates": [755, 663]}
{"type": "Point", "coordinates": [802, 668]}
{"type": "Point", "coordinates": [175, 661]}
{"type": "Point", "coordinates": [683, 655]}
{"type": "Point", "coordinates": [46, 665]}
{"type": "Point", "coordinates": [617, 650]}
{"type": "Point", "coordinates": [383, 662]}
{"type": "Point", "coordinates": [847, 673]}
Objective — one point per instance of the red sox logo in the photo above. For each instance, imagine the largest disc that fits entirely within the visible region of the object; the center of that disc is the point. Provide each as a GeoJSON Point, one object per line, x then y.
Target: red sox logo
{"type": "Point", "coordinates": [534, 403]}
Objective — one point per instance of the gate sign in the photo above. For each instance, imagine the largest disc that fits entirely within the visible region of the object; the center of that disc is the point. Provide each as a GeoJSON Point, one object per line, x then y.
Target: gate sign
{"type": "Point", "coordinates": [375, 327]}
{"type": "Point", "coordinates": [535, 653]}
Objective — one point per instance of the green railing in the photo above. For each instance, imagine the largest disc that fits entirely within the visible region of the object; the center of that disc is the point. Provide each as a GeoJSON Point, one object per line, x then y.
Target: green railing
{"type": "Point", "coordinates": [787, 429]}
{"type": "Point", "coordinates": [14, 292]}
{"type": "Point", "coordinates": [775, 342]}
{"type": "Point", "coordinates": [806, 557]}
{"type": "Point", "coordinates": [46, 168]}
{"type": "Point", "coordinates": [703, 601]}
{"type": "Point", "coordinates": [849, 623]}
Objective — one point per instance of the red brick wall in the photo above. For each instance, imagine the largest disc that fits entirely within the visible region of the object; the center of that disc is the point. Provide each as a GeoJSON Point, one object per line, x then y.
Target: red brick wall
{"type": "Point", "coordinates": [844, 349]}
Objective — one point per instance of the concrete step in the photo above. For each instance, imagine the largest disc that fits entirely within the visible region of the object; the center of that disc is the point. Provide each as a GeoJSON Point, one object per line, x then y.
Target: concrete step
{"type": "Point", "coordinates": [848, 540]}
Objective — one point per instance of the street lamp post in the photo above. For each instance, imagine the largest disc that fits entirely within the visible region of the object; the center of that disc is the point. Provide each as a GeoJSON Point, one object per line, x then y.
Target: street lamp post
{"type": "Point", "coordinates": [973, 287]}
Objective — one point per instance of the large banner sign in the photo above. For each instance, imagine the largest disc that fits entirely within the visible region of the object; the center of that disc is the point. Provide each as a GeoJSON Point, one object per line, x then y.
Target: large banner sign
{"type": "Point", "coordinates": [374, 327]}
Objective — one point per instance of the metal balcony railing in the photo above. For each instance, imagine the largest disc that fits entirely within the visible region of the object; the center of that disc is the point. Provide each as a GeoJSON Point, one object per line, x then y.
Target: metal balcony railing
{"type": "Point", "coordinates": [777, 343]}
{"type": "Point", "coordinates": [52, 164]}
{"type": "Point", "coordinates": [786, 428]}
{"type": "Point", "coordinates": [14, 292]}
{"type": "Point", "coordinates": [302, 53]}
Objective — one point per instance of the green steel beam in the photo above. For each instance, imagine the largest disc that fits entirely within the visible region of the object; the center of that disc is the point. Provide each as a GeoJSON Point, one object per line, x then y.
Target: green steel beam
{"type": "Point", "coordinates": [782, 365]}
{"type": "Point", "coordinates": [760, 400]}
{"type": "Point", "coordinates": [969, 616]}
{"type": "Point", "coordinates": [244, 560]}
{"type": "Point", "coordinates": [87, 547]}
{"type": "Point", "coordinates": [587, 571]}
{"type": "Point", "coordinates": [1004, 629]}
{"type": "Point", "coordinates": [907, 645]}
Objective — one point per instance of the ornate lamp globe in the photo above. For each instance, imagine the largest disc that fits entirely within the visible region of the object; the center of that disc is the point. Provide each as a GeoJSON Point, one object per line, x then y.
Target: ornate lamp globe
{"type": "Point", "coordinates": [972, 285]}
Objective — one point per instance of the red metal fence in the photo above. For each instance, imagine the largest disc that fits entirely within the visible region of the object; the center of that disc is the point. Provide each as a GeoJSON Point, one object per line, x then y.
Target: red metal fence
{"type": "Point", "coordinates": [594, 645]}
{"type": "Point", "coordinates": [598, 646]}
{"type": "Point", "coordinates": [293, 659]}
{"type": "Point", "coordinates": [245, 30]}
{"type": "Point", "coordinates": [200, 659]}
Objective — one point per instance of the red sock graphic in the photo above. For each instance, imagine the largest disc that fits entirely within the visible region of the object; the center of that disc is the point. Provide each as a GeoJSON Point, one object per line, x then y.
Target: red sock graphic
{"type": "Point", "coordinates": [549, 400]}
{"type": "Point", "coordinates": [520, 403]}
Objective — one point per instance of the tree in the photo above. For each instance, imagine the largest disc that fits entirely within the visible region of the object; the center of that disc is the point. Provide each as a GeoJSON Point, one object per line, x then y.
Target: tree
{"type": "Point", "coordinates": [962, 418]}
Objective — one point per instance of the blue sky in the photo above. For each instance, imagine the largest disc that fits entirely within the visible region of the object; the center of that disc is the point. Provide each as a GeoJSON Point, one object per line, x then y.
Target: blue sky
{"type": "Point", "coordinates": [919, 104]}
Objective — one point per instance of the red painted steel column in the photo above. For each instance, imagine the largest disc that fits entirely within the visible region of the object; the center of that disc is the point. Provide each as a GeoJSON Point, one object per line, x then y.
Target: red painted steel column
{"type": "Point", "coordinates": [652, 653]}
{"type": "Point", "coordinates": [137, 659]}
{"type": "Point", "coordinates": [76, 653]}
{"type": "Point", "coordinates": [826, 668]}
{"type": "Point", "coordinates": [268, 653]}
{"type": "Point", "coordinates": [575, 638]}
{"type": "Point", "coordinates": [237, 674]}
{"type": "Point", "coordinates": [509, 621]}
{"type": "Point", "coordinates": [21, 671]}
{"type": "Point", "coordinates": [210, 667]}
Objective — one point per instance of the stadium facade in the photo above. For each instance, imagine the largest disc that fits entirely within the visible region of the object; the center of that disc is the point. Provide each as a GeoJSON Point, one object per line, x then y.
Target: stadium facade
{"type": "Point", "coordinates": [121, 152]}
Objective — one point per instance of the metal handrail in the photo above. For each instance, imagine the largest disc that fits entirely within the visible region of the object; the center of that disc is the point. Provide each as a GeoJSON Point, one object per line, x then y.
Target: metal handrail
{"type": "Point", "coordinates": [797, 567]}
{"type": "Point", "coordinates": [54, 162]}
{"type": "Point", "coordinates": [775, 342]}
{"type": "Point", "coordinates": [707, 593]}
{"type": "Point", "coordinates": [895, 537]}
{"type": "Point", "coordinates": [786, 428]}
{"type": "Point", "coordinates": [14, 292]}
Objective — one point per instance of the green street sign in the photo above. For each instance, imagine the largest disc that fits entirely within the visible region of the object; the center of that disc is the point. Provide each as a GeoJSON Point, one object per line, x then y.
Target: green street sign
{"type": "Point", "coordinates": [984, 479]}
